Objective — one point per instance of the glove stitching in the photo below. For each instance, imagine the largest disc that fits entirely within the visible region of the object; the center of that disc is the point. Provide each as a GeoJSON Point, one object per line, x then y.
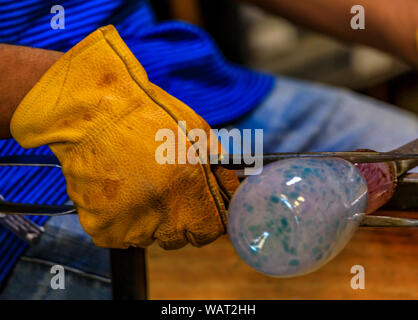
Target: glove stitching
{"type": "Point", "coordinates": [118, 49]}
{"type": "Point", "coordinates": [127, 63]}
{"type": "Point", "coordinates": [114, 120]}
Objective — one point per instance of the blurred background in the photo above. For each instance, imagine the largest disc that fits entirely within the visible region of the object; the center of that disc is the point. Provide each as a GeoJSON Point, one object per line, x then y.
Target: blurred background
{"type": "Point", "coordinates": [252, 37]}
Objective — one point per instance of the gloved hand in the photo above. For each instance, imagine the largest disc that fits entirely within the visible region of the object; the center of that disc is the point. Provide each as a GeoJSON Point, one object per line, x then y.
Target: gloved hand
{"type": "Point", "coordinates": [99, 114]}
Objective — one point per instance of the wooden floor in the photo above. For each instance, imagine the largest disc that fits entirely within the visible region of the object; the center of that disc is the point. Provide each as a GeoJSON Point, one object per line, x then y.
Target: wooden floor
{"type": "Point", "coordinates": [389, 256]}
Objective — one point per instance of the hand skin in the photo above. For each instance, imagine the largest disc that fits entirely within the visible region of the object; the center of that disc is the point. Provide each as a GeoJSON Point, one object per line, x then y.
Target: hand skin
{"type": "Point", "coordinates": [391, 25]}
{"type": "Point", "coordinates": [20, 68]}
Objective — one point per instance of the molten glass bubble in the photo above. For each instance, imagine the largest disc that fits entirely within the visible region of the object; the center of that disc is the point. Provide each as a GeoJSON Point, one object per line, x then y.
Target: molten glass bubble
{"type": "Point", "coordinates": [297, 214]}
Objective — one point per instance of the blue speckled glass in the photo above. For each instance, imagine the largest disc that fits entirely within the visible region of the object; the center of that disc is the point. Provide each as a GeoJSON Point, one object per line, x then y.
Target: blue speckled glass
{"type": "Point", "coordinates": [296, 215]}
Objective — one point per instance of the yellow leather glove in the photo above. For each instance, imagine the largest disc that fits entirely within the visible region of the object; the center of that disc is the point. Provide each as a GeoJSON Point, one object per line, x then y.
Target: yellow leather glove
{"type": "Point", "coordinates": [99, 114]}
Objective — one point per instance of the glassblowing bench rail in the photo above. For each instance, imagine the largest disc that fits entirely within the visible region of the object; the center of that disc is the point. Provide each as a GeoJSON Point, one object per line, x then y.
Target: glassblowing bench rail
{"type": "Point", "coordinates": [128, 267]}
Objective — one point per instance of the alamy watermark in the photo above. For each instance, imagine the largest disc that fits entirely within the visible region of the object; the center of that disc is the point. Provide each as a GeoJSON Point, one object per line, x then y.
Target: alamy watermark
{"type": "Point", "coordinates": [358, 21]}
{"type": "Point", "coordinates": [358, 281]}
{"type": "Point", "coordinates": [58, 19]}
{"type": "Point", "coordinates": [204, 148]}
{"type": "Point", "coordinates": [58, 280]}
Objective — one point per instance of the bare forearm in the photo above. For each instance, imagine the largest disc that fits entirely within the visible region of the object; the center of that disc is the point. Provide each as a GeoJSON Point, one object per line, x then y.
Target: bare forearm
{"type": "Point", "coordinates": [390, 25]}
{"type": "Point", "coordinates": [20, 68]}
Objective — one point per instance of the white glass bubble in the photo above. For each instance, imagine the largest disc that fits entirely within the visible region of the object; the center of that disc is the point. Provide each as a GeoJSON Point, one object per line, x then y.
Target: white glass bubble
{"type": "Point", "coordinates": [297, 214]}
